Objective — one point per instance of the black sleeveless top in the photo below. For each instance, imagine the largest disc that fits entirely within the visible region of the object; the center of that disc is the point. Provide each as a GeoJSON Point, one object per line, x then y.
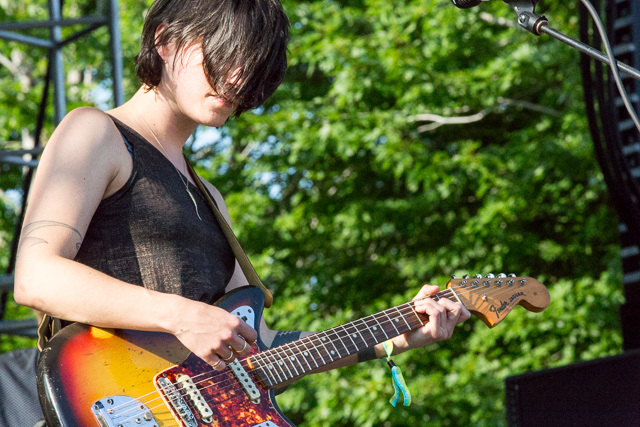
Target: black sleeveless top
{"type": "Point", "coordinates": [148, 233]}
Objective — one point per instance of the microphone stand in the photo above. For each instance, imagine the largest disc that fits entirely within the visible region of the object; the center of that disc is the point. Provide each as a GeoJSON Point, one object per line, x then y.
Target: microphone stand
{"type": "Point", "coordinates": [537, 25]}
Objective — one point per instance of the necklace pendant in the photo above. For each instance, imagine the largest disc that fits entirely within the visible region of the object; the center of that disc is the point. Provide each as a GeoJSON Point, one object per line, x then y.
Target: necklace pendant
{"type": "Point", "coordinates": [195, 204]}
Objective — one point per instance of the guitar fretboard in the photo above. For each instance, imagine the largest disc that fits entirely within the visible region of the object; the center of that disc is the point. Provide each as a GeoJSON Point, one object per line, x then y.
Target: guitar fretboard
{"type": "Point", "coordinates": [283, 363]}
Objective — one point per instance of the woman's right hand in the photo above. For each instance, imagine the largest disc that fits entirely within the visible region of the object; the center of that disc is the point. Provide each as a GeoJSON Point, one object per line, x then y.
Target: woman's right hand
{"type": "Point", "coordinates": [211, 333]}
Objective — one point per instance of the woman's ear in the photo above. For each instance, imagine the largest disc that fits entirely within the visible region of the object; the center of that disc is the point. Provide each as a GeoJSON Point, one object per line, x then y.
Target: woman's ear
{"type": "Point", "coordinates": [164, 49]}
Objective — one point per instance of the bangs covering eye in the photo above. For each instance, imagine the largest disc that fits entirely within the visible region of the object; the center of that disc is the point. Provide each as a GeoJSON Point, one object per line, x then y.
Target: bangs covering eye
{"type": "Point", "coordinates": [243, 42]}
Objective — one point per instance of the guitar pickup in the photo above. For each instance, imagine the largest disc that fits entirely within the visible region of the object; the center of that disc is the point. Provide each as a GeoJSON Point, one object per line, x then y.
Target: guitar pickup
{"type": "Point", "coordinates": [247, 383]}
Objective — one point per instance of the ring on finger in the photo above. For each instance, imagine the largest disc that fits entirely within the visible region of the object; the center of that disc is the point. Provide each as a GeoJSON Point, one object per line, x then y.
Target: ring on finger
{"type": "Point", "coordinates": [228, 359]}
{"type": "Point", "coordinates": [215, 365]}
{"type": "Point", "coordinates": [244, 347]}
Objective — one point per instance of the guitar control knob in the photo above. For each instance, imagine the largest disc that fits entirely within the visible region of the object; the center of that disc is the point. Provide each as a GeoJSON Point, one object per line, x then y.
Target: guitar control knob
{"type": "Point", "coordinates": [502, 275]}
{"type": "Point", "coordinates": [490, 276]}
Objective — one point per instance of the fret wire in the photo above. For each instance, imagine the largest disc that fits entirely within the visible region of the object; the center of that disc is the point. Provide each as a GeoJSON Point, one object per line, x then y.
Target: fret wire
{"type": "Point", "coordinates": [377, 330]}
{"type": "Point", "coordinates": [358, 332]}
{"type": "Point", "coordinates": [344, 327]}
{"type": "Point", "coordinates": [392, 324]}
{"type": "Point", "coordinates": [296, 355]}
{"type": "Point", "coordinates": [412, 320]}
{"type": "Point", "coordinates": [284, 362]}
{"type": "Point", "coordinates": [270, 366]}
{"type": "Point", "coordinates": [277, 367]}
{"type": "Point", "coordinates": [375, 317]}
{"type": "Point", "coordinates": [368, 329]}
{"type": "Point", "coordinates": [403, 318]}
{"type": "Point", "coordinates": [412, 307]}
{"type": "Point", "coordinates": [279, 363]}
{"type": "Point", "coordinates": [294, 359]}
{"type": "Point", "coordinates": [326, 334]}
{"type": "Point", "coordinates": [343, 344]}
{"type": "Point", "coordinates": [272, 380]}
{"type": "Point", "coordinates": [260, 370]}
{"type": "Point", "coordinates": [302, 353]}
{"type": "Point", "coordinates": [314, 359]}
{"type": "Point", "coordinates": [318, 348]}
{"type": "Point", "coordinates": [291, 358]}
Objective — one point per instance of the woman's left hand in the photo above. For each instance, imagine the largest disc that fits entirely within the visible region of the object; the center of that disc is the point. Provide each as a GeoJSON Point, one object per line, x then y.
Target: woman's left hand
{"type": "Point", "coordinates": [444, 315]}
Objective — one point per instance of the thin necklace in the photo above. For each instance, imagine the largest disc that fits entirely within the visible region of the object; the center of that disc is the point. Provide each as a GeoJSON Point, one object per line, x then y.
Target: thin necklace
{"type": "Point", "coordinates": [184, 181]}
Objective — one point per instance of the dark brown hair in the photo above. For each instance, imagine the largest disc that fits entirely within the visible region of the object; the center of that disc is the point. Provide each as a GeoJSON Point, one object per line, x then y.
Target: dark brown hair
{"type": "Point", "coordinates": [249, 34]}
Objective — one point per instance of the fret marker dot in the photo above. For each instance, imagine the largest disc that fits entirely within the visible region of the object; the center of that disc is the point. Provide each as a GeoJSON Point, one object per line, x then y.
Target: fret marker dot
{"type": "Point", "coordinates": [354, 335]}
{"type": "Point", "coordinates": [292, 358]}
{"type": "Point", "coordinates": [280, 363]}
{"type": "Point", "coordinates": [333, 352]}
{"type": "Point", "coordinates": [324, 338]}
{"type": "Point", "coordinates": [397, 320]}
{"type": "Point", "coordinates": [305, 353]}
{"type": "Point", "coordinates": [375, 328]}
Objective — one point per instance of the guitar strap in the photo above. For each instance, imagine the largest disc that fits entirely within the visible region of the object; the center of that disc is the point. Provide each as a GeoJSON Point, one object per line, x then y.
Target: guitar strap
{"type": "Point", "coordinates": [50, 325]}
{"type": "Point", "coordinates": [241, 256]}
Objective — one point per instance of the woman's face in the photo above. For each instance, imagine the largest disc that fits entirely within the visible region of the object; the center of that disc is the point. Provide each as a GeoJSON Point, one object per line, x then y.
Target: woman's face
{"type": "Point", "coordinates": [185, 85]}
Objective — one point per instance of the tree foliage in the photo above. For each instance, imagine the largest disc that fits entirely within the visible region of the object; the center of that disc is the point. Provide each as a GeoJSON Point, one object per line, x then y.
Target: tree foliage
{"type": "Point", "coordinates": [346, 206]}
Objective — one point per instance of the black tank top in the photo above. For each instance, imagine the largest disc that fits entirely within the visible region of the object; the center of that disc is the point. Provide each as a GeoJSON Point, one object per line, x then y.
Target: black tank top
{"type": "Point", "coordinates": [148, 233]}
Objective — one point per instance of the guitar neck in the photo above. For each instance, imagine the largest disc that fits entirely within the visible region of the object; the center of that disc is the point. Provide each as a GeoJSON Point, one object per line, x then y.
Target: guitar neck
{"type": "Point", "coordinates": [283, 363]}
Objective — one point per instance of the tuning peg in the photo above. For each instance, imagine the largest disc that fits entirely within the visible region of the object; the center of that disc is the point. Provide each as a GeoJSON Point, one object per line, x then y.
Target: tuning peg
{"type": "Point", "coordinates": [512, 275]}
{"type": "Point", "coordinates": [466, 276]}
{"type": "Point", "coordinates": [490, 276]}
{"type": "Point", "coordinates": [453, 277]}
{"type": "Point", "coordinates": [502, 276]}
{"type": "Point", "coordinates": [477, 276]}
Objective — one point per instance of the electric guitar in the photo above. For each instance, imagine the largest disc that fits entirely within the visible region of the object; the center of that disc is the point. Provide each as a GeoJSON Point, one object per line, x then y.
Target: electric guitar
{"type": "Point", "coordinates": [89, 376]}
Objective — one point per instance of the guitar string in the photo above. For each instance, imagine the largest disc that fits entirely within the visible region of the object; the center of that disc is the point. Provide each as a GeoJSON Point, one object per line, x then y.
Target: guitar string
{"type": "Point", "coordinates": [405, 306]}
{"type": "Point", "coordinates": [215, 398]}
{"type": "Point", "coordinates": [218, 393]}
{"type": "Point", "coordinates": [222, 386]}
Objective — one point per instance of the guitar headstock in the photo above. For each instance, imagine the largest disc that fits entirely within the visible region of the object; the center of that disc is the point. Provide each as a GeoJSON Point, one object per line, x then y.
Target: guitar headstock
{"type": "Point", "coordinates": [491, 297]}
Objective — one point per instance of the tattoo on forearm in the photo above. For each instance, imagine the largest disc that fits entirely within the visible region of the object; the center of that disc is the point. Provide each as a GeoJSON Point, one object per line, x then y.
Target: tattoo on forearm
{"type": "Point", "coordinates": [29, 229]}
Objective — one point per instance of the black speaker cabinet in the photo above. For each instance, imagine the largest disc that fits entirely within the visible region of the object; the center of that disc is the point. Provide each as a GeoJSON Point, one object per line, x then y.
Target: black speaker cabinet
{"type": "Point", "coordinates": [599, 393]}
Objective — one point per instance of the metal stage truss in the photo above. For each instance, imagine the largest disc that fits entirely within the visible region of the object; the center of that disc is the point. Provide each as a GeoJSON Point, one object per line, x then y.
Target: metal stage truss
{"type": "Point", "coordinates": [106, 15]}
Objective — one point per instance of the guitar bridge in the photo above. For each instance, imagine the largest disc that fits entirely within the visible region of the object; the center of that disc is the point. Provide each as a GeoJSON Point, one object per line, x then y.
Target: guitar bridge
{"type": "Point", "coordinates": [171, 393]}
